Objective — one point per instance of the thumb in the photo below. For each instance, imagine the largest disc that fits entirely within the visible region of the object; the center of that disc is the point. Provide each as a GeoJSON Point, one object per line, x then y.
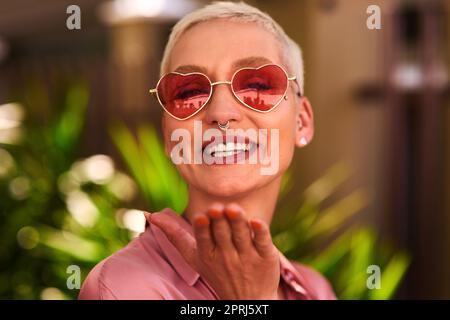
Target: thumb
{"type": "Point", "coordinates": [181, 239]}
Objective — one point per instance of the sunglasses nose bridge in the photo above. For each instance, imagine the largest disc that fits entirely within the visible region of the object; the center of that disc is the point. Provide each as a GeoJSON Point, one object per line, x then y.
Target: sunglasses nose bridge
{"type": "Point", "coordinates": [223, 106]}
{"type": "Point", "coordinates": [220, 82]}
{"type": "Point", "coordinates": [228, 83]}
{"type": "Point", "coordinates": [213, 84]}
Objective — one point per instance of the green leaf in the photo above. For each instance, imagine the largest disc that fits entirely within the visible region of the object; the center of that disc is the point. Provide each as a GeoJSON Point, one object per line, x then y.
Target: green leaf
{"type": "Point", "coordinates": [70, 123]}
{"type": "Point", "coordinates": [391, 276]}
{"type": "Point", "coordinates": [70, 244]}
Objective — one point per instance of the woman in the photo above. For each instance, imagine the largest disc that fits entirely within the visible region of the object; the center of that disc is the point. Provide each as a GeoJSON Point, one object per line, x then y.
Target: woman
{"type": "Point", "coordinates": [226, 67]}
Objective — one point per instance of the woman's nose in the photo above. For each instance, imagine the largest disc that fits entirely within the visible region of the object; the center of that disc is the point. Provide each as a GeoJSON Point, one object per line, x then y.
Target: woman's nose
{"type": "Point", "coordinates": [222, 106]}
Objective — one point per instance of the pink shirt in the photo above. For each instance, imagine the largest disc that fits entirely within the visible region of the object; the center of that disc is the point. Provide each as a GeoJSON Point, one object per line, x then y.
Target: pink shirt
{"type": "Point", "coordinates": [150, 267]}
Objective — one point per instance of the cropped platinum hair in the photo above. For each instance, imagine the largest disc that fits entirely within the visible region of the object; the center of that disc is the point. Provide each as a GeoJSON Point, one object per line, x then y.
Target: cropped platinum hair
{"type": "Point", "coordinates": [240, 12]}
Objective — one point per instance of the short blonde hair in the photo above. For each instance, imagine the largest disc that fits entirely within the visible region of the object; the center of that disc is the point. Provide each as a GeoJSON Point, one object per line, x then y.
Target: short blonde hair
{"type": "Point", "coordinates": [240, 12]}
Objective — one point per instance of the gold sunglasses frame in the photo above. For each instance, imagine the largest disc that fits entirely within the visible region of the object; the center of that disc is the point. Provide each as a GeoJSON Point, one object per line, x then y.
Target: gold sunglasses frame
{"type": "Point", "coordinates": [155, 90]}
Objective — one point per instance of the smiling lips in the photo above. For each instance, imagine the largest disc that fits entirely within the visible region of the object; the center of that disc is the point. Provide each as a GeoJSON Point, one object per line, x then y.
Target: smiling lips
{"type": "Point", "coordinates": [228, 146]}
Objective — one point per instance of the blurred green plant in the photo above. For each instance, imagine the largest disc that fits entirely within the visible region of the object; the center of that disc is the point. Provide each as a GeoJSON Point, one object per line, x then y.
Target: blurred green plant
{"type": "Point", "coordinates": [330, 238]}
{"type": "Point", "coordinates": [55, 210]}
{"type": "Point", "coordinates": [154, 173]}
{"type": "Point", "coordinates": [58, 210]}
{"type": "Point", "coordinates": [34, 152]}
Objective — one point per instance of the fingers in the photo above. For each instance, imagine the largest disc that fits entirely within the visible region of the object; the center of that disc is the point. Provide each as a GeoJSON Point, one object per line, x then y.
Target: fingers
{"type": "Point", "coordinates": [221, 230]}
{"type": "Point", "coordinates": [226, 227]}
{"type": "Point", "coordinates": [241, 234]}
{"type": "Point", "coordinates": [223, 227]}
{"type": "Point", "coordinates": [180, 238]}
{"type": "Point", "coordinates": [262, 239]}
{"type": "Point", "coordinates": [202, 233]}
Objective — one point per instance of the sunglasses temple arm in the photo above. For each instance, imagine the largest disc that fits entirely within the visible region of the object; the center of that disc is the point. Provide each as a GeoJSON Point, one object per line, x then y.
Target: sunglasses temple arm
{"type": "Point", "coordinates": [152, 91]}
{"type": "Point", "coordinates": [293, 78]}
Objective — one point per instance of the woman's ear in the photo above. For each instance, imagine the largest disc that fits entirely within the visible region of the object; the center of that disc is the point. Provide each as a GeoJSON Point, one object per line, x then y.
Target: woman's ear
{"type": "Point", "coordinates": [305, 123]}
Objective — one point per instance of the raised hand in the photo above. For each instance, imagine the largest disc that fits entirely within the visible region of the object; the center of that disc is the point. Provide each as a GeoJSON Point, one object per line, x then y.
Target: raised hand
{"type": "Point", "coordinates": [234, 255]}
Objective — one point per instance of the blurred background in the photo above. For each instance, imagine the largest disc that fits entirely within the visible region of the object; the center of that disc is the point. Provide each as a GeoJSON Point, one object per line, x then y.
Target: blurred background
{"type": "Point", "coordinates": [81, 152]}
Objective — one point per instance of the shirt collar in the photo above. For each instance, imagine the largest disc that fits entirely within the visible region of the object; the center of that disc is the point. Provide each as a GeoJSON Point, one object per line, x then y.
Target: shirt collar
{"type": "Point", "coordinates": [294, 278]}
{"type": "Point", "coordinates": [291, 276]}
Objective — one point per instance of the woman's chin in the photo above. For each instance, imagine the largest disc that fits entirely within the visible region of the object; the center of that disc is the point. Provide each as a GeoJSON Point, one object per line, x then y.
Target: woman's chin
{"type": "Point", "coordinates": [226, 189]}
{"type": "Point", "coordinates": [229, 185]}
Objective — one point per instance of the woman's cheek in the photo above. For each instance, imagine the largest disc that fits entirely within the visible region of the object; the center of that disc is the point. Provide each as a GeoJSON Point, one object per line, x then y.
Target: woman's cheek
{"type": "Point", "coordinates": [286, 147]}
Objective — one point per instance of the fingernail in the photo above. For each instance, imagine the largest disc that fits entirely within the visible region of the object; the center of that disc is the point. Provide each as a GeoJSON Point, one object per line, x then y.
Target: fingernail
{"type": "Point", "coordinates": [215, 213]}
{"type": "Point", "coordinates": [147, 216]}
{"type": "Point", "coordinates": [255, 225]}
{"type": "Point", "coordinates": [231, 213]}
{"type": "Point", "coordinates": [201, 220]}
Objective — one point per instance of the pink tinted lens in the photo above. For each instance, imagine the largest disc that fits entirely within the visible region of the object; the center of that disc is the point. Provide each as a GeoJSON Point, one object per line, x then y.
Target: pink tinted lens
{"type": "Point", "coordinates": [262, 88]}
{"type": "Point", "coordinates": [183, 95]}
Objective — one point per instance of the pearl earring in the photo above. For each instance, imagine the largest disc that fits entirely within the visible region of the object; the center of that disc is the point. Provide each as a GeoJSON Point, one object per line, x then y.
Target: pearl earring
{"type": "Point", "coordinates": [303, 141]}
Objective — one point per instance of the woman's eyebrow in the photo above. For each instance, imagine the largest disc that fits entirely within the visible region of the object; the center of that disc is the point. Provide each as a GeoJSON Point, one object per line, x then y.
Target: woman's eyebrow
{"type": "Point", "coordinates": [253, 61]}
{"type": "Point", "coordinates": [191, 68]}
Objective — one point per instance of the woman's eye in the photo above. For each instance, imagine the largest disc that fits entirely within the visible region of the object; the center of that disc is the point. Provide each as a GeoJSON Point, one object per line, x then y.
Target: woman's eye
{"type": "Point", "coordinates": [189, 93]}
{"type": "Point", "coordinates": [260, 86]}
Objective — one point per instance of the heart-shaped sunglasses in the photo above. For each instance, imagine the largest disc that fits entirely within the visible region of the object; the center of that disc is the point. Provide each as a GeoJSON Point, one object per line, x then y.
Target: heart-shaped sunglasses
{"type": "Point", "coordinates": [260, 89]}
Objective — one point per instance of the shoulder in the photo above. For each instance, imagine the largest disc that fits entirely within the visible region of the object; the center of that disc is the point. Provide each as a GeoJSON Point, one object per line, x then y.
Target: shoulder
{"type": "Point", "coordinates": [317, 282]}
{"type": "Point", "coordinates": [93, 287]}
{"type": "Point", "coordinates": [135, 266]}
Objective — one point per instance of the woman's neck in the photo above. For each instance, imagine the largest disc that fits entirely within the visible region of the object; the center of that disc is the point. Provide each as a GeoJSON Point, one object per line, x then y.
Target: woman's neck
{"type": "Point", "coordinates": [259, 203]}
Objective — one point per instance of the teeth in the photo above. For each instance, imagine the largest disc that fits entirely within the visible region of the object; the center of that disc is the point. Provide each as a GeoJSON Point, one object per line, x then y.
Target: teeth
{"type": "Point", "coordinates": [227, 149]}
{"type": "Point", "coordinates": [223, 154]}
